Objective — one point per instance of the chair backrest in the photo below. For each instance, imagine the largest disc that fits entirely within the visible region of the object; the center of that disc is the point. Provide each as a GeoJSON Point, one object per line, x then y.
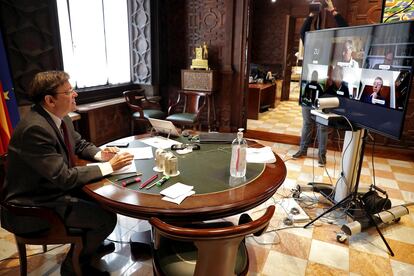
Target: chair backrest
{"type": "Point", "coordinates": [134, 98]}
{"type": "Point", "coordinates": [221, 243]}
{"type": "Point", "coordinates": [194, 102]}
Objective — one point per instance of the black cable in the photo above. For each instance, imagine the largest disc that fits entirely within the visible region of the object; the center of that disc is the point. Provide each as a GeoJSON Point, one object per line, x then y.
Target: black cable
{"type": "Point", "coordinates": [408, 6]}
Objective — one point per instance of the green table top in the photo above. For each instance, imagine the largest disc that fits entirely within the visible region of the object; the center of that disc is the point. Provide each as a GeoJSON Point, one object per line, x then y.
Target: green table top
{"type": "Point", "coordinates": [207, 169]}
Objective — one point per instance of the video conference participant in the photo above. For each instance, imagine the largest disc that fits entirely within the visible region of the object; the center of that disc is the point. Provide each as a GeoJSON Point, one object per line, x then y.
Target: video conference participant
{"type": "Point", "coordinates": [388, 61]}
{"type": "Point", "coordinates": [338, 87]}
{"type": "Point", "coordinates": [347, 60]}
{"type": "Point", "coordinates": [41, 169]}
{"type": "Point", "coordinates": [375, 97]}
{"type": "Point", "coordinates": [306, 110]}
{"type": "Point", "coordinates": [312, 90]}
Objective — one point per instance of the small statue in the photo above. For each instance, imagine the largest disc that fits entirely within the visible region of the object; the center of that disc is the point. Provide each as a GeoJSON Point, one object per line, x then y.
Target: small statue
{"type": "Point", "coordinates": [205, 51]}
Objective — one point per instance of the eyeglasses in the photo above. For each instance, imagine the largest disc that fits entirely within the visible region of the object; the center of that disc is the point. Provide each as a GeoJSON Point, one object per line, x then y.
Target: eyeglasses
{"type": "Point", "coordinates": [67, 93]}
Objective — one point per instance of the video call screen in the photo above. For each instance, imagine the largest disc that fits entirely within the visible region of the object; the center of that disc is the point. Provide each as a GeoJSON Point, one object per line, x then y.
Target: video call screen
{"type": "Point", "coordinates": [369, 68]}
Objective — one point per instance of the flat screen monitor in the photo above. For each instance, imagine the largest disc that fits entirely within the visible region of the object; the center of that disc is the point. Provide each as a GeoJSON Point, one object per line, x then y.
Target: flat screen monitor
{"type": "Point", "coordinates": [369, 68]}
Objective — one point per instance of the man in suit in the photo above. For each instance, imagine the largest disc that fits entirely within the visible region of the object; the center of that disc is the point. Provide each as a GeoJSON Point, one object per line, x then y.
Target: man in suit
{"type": "Point", "coordinates": [41, 168]}
{"type": "Point", "coordinates": [376, 97]}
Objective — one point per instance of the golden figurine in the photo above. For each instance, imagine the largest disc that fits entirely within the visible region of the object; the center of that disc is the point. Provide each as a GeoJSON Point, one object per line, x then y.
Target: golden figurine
{"type": "Point", "coordinates": [201, 58]}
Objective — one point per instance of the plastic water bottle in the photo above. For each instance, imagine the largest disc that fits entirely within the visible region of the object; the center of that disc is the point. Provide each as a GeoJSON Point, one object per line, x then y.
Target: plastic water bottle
{"type": "Point", "coordinates": [238, 156]}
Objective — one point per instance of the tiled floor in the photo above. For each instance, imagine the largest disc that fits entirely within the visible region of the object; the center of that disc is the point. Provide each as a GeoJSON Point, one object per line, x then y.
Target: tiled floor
{"type": "Point", "coordinates": [283, 250]}
{"type": "Point", "coordinates": [286, 118]}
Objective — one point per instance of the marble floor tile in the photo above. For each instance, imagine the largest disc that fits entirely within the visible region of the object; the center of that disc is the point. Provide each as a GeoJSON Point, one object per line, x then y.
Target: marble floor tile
{"type": "Point", "coordinates": [331, 255]}
{"type": "Point", "coordinates": [281, 264]}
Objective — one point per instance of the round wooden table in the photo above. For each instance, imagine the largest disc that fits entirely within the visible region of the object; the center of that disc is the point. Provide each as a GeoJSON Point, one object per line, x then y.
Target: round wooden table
{"type": "Point", "coordinates": [217, 195]}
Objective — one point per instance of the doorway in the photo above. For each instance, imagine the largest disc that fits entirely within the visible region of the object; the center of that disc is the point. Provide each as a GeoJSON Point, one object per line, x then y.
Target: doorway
{"type": "Point", "coordinates": [284, 121]}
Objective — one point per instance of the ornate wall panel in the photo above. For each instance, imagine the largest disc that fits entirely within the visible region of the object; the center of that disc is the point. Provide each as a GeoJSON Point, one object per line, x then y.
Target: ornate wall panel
{"type": "Point", "coordinates": [30, 35]}
{"type": "Point", "coordinates": [268, 32]}
{"type": "Point", "coordinates": [206, 24]}
{"type": "Point", "coordinates": [140, 39]}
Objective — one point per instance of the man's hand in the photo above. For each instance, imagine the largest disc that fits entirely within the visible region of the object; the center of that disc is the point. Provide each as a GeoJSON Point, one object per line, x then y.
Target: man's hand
{"type": "Point", "coordinates": [121, 160]}
{"type": "Point", "coordinates": [108, 153]}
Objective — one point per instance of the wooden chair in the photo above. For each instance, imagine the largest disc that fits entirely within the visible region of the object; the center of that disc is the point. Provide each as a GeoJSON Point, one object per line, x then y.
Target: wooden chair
{"type": "Point", "coordinates": [142, 107]}
{"type": "Point", "coordinates": [55, 234]}
{"type": "Point", "coordinates": [204, 251]}
{"type": "Point", "coordinates": [194, 104]}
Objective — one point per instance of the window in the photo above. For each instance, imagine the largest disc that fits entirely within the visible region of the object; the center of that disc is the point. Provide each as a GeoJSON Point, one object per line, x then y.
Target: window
{"type": "Point", "coordinates": [95, 41]}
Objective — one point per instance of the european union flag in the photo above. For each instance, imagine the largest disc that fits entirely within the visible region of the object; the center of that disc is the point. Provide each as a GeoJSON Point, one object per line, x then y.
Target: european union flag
{"type": "Point", "coordinates": [7, 84]}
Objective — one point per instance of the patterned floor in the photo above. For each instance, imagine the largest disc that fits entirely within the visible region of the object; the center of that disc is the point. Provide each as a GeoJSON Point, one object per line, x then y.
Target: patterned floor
{"type": "Point", "coordinates": [286, 118]}
{"type": "Point", "coordinates": [283, 250]}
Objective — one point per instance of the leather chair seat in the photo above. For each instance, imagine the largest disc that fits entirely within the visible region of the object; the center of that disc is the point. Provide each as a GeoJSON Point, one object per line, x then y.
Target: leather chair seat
{"type": "Point", "coordinates": [180, 258]}
{"type": "Point", "coordinates": [183, 118]}
{"type": "Point", "coordinates": [150, 113]}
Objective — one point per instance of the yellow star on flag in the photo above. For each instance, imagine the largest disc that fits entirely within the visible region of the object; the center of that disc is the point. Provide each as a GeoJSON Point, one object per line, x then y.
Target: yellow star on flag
{"type": "Point", "coordinates": [6, 95]}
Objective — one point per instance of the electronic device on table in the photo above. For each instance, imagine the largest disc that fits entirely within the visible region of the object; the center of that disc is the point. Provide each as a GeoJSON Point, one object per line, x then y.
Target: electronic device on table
{"type": "Point", "coordinates": [163, 127]}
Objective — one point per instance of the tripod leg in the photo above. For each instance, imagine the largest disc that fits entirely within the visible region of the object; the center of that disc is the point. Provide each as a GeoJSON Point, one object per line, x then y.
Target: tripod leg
{"type": "Point", "coordinates": [372, 220]}
{"type": "Point", "coordinates": [339, 204]}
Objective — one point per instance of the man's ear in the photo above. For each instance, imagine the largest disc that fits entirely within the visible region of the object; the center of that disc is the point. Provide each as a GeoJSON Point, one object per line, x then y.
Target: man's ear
{"type": "Point", "coordinates": [49, 101]}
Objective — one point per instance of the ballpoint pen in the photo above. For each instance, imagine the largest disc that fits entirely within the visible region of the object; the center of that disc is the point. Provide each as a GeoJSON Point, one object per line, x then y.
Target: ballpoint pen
{"type": "Point", "coordinates": [130, 181]}
{"type": "Point", "coordinates": [159, 182]}
{"type": "Point", "coordinates": [128, 176]}
{"type": "Point", "coordinates": [152, 178]}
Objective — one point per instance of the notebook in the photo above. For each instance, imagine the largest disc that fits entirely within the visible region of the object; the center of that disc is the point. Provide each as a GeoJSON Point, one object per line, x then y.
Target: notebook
{"type": "Point", "coordinates": [217, 137]}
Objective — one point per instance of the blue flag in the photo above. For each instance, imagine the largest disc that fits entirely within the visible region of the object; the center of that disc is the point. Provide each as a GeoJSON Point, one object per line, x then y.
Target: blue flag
{"type": "Point", "coordinates": [7, 84]}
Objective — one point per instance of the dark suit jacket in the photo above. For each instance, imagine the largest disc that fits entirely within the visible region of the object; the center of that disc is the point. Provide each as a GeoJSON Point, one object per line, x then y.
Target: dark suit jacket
{"type": "Point", "coordinates": [38, 172]}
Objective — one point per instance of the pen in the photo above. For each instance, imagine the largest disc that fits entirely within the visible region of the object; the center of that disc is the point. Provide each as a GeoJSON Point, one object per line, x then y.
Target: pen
{"type": "Point", "coordinates": [152, 178]}
{"type": "Point", "coordinates": [159, 182]}
{"type": "Point", "coordinates": [128, 176]}
{"type": "Point", "coordinates": [130, 181]}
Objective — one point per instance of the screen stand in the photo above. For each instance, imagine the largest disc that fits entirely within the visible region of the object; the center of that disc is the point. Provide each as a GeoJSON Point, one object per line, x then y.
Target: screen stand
{"type": "Point", "coordinates": [353, 199]}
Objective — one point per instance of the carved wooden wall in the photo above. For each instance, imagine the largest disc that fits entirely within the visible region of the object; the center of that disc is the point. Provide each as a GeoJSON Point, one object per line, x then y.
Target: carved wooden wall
{"type": "Point", "coordinates": [30, 33]}
{"type": "Point", "coordinates": [192, 22]}
{"type": "Point", "coordinates": [268, 31]}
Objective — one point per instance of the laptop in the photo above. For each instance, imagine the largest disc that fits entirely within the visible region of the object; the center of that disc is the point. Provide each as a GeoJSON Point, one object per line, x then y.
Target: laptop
{"type": "Point", "coordinates": [164, 127]}
{"type": "Point", "coordinates": [217, 137]}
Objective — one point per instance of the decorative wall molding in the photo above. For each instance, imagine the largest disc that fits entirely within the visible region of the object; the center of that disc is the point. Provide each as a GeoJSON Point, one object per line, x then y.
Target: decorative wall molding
{"type": "Point", "coordinates": [140, 41]}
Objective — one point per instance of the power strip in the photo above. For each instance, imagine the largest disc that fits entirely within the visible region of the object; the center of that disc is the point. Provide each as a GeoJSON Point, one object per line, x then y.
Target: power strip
{"type": "Point", "coordinates": [288, 204]}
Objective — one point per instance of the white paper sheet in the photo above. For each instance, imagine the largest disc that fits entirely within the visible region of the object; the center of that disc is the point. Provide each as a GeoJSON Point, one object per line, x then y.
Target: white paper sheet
{"type": "Point", "coordinates": [160, 142]}
{"type": "Point", "coordinates": [139, 153]}
{"type": "Point", "coordinates": [179, 199]}
{"type": "Point", "coordinates": [127, 169]}
{"type": "Point", "coordinates": [260, 155]}
{"type": "Point", "coordinates": [176, 190]}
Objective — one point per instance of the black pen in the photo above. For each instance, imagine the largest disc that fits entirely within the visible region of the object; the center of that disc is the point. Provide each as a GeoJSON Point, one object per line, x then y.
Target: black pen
{"type": "Point", "coordinates": [129, 176]}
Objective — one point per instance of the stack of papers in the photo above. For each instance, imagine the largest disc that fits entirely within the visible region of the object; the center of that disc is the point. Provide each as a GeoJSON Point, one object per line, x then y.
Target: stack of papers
{"type": "Point", "coordinates": [260, 155]}
{"type": "Point", "coordinates": [177, 192]}
{"type": "Point", "coordinates": [160, 142]}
